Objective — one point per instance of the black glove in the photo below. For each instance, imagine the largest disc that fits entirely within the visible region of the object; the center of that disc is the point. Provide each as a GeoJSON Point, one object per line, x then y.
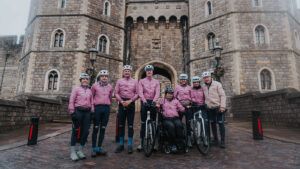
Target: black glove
{"type": "Point", "coordinates": [153, 104]}
{"type": "Point", "coordinates": [146, 104]}
{"type": "Point", "coordinates": [74, 117]}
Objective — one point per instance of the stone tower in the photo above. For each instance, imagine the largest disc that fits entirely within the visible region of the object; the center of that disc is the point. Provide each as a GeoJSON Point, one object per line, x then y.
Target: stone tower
{"type": "Point", "coordinates": [157, 34]}
{"type": "Point", "coordinates": [58, 38]}
{"type": "Point", "coordinates": [260, 40]}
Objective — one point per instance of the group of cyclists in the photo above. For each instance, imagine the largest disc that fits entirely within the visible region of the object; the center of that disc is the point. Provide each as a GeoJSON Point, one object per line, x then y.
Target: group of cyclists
{"type": "Point", "coordinates": [93, 103]}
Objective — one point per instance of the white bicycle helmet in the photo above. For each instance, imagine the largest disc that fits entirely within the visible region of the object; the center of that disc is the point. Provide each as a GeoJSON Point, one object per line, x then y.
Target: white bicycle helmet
{"type": "Point", "coordinates": [206, 74]}
{"type": "Point", "coordinates": [127, 67]}
{"type": "Point", "coordinates": [196, 79]}
{"type": "Point", "coordinates": [103, 73]}
{"type": "Point", "coordinates": [149, 67]}
{"type": "Point", "coordinates": [84, 76]}
{"type": "Point", "coordinates": [183, 76]}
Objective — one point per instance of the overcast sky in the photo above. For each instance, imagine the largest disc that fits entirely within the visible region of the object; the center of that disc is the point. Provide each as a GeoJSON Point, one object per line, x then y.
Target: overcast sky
{"type": "Point", "coordinates": [13, 16]}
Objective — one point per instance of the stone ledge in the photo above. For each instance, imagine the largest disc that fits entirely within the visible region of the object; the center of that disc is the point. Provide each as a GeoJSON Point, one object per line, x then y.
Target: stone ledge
{"type": "Point", "coordinates": [41, 99]}
{"type": "Point", "coordinates": [278, 92]}
{"type": "Point", "coordinates": [12, 103]}
{"type": "Point", "coordinates": [245, 95]}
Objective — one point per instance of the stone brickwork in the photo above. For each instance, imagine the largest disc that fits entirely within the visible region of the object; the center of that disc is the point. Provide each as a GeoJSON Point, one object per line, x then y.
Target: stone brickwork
{"type": "Point", "coordinates": [160, 41]}
{"type": "Point", "coordinates": [15, 114]}
{"type": "Point", "coordinates": [233, 23]}
{"type": "Point", "coordinates": [10, 51]}
{"type": "Point", "coordinates": [279, 108]}
{"type": "Point", "coordinates": [82, 22]}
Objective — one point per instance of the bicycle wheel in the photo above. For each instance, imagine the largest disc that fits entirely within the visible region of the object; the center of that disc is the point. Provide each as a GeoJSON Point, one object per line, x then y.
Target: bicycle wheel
{"type": "Point", "coordinates": [201, 139]}
{"type": "Point", "coordinates": [185, 146]}
{"type": "Point", "coordinates": [149, 140]}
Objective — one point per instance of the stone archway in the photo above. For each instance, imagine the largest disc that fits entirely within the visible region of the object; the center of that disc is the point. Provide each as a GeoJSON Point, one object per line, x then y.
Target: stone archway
{"type": "Point", "coordinates": [160, 68]}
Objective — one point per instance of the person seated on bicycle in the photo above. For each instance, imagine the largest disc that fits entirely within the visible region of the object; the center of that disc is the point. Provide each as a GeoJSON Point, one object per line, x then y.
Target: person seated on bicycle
{"type": "Point", "coordinates": [198, 98]}
{"type": "Point", "coordinates": [172, 124]}
{"type": "Point", "coordinates": [183, 94]}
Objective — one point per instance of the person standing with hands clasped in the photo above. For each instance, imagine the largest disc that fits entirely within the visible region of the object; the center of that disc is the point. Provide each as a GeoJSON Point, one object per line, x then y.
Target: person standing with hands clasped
{"type": "Point", "coordinates": [126, 92]}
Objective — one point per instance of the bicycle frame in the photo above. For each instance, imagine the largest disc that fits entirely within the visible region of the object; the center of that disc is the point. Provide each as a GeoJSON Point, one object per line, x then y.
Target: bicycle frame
{"type": "Point", "coordinates": [146, 128]}
{"type": "Point", "coordinates": [198, 115]}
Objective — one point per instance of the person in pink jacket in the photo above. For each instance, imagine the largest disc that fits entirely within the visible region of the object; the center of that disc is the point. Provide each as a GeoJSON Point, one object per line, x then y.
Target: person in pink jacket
{"type": "Point", "coordinates": [170, 109]}
{"type": "Point", "coordinates": [183, 94]}
{"type": "Point", "coordinates": [215, 100]}
{"type": "Point", "coordinates": [81, 104]}
{"type": "Point", "coordinates": [149, 92]}
{"type": "Point", "coordinates": [198, 100]}
{"type": "Point", "coordinates": [126, 92]}
{"type": "Point", "coordinates": [102, 92]}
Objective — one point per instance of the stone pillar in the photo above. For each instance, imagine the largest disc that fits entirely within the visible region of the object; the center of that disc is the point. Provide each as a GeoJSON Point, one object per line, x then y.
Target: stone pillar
{"type": "Point", "coordinates": [185, 44]}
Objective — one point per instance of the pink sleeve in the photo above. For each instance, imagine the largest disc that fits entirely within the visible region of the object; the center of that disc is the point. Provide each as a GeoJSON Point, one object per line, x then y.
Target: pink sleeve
{"type": "Point", "coordinates": [180, 108]}
{"type": "Point", "coordinates": [93, 89]}
{"type": "Point", "coordinates": [203, 96]}
{"type": "Point", "coordinates": [140, 92]}
{"type": "Point", "coordinates": [71, 106]}
{"type": "Point", "coordinates": [157, 92]}
{"type": "Point", "coordinates": [117, 90]}
{"type": "Point", "coordinates": [222, 95]}
{"type": "Point", "coordinates": [176, 92]}
{"type": "Point", "coordinates": [111, 93]}
{"type": "Point", "coordinates": [136, 96]}
{"type": "Point", "coordinates": [92, 103]}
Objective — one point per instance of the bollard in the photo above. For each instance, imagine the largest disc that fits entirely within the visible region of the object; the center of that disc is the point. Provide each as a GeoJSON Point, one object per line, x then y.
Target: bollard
{"type": "Point", "coordinates": [257, 126]}
{"type": "Point", "coordinates": [33, 131]}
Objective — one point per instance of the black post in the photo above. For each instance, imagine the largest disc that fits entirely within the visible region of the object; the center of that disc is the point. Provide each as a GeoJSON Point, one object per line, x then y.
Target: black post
{"type": "Point", "coordinates": [257, 126]}
{"type": "Point", "coordinates": [33, 131]}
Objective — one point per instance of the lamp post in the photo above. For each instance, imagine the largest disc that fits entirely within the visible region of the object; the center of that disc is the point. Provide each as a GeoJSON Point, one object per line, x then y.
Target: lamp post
{"type": "Point", "coordinates": [91, 70]}
{"type": "Point", "coordinates": [219, 71]}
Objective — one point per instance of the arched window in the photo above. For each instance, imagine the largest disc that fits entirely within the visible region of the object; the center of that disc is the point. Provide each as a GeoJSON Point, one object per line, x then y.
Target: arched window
{"type": "Point", "coordinates": [62, 3]}
{"type": "Point", "coordinates": [266, 80]}
{"type": "Point", "coordinates": [211, 39]}
{"type": "Point", "coordinates": [209, 8]}
{"type": "Point", "coordinates": [52, 80]}
{"type": "Point", "coordinates": [58, 38]}
{"type": "Point", "coordinates": [103, 44]}
{"type": "Point", "coordinates": [106, 10]}
{"type": "Point", "coordinates": [260, 35]}
{"type": "Point", "coordinates": [257, 3]}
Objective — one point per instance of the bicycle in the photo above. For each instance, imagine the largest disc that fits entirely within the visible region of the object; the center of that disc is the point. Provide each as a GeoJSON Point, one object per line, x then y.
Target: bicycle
{"type": "Point", "coordinates": [199, 132]}
{"type": "Point", "coordinates": [150, 132]}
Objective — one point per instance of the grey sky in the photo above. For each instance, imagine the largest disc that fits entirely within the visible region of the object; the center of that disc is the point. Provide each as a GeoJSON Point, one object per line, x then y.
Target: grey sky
{"type": "Point", "coordinates": [13, 16]}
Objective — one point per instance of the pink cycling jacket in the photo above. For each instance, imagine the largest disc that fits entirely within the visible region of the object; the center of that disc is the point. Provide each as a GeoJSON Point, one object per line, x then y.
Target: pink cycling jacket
{"type": "Point", "coordinates": [81, 97]}
{"type": "Point", "coordinates": [149, 89]}
{"type": "Point", "coordinates": [171, 108]}
{"type": "Point", "coordinates": [126, 88]}
{"type": "Point", "coordinates": [197, 96]}
{"type": "Point", "coordinates": [182, 92]}
{"type": "Point", "coordinates": [102, 93]}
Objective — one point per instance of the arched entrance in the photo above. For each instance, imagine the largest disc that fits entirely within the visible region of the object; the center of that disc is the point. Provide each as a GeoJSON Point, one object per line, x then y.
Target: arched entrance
{"type": "Point", "coordinates": [161, 70]}
{"type": "Point", "coordinates": [164, 72]}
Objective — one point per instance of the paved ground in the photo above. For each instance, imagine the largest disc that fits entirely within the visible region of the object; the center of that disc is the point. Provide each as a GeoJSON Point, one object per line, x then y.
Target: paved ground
{"type": "Point", "coordinates": [241, 152]}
